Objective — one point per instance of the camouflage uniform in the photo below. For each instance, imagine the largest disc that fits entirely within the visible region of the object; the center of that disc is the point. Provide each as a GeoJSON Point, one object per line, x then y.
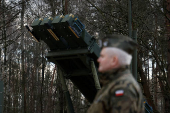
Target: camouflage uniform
{"type": "Point", "coordinates": [120, 92]}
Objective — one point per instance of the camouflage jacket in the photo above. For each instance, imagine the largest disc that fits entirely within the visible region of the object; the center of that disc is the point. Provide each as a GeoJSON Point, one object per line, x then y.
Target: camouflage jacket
{"type": "Point", "coordinates": [120, 94]}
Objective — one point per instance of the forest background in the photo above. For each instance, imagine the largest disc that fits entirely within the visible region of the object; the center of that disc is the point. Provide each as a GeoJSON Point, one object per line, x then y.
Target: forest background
{"type": "Point", "coordinates": [31, 84]}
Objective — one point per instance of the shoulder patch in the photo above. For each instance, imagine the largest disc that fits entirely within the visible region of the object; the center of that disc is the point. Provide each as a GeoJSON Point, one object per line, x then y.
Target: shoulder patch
{"type": "Point", "coordinates": [119, 93]}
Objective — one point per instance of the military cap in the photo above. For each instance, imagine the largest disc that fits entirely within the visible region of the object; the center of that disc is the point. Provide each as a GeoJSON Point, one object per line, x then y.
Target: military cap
{"type": "Point", "coordinates": [122, 42]}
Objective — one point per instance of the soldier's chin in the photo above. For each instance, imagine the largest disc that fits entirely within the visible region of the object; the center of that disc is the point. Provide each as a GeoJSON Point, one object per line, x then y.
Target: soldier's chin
{"type": "Point", "coordinates": [101, 71]}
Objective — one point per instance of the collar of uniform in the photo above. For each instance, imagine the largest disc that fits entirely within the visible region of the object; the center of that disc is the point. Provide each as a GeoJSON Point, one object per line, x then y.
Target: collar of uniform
{"type": "Point", "coordinates": [113, 74]}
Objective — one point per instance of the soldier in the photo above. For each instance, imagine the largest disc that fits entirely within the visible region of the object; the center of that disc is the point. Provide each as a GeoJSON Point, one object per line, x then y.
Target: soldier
{"type": "Point", "coordinates": [120, 92]}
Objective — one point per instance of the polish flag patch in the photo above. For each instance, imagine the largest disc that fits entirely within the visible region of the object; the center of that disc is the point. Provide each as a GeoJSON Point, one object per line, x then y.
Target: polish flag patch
{"type": "Point", "coordinates": [119, 93]}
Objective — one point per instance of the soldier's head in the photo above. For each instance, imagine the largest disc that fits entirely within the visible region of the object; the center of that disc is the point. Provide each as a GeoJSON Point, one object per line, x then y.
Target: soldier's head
{"type": "Point", "coordinates": [116, 52]}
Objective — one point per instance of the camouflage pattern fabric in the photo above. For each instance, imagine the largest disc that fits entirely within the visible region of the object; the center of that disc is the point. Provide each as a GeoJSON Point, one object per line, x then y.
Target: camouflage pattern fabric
{"type": "Point", "coordinates": [120, 94]}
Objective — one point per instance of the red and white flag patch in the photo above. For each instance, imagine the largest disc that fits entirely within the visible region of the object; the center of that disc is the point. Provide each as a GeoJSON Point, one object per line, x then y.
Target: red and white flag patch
{"type": "Point", "coordinates": [119, 93]}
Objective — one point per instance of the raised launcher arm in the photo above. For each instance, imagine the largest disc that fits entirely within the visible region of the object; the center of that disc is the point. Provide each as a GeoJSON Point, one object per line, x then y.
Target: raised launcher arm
{"type": "Point", "coordinates": [71, 48]}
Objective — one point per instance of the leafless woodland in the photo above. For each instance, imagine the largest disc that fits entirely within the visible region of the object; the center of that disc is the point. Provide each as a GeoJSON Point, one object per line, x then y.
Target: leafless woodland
{"type": "Point", "coordinates": [31, 84]}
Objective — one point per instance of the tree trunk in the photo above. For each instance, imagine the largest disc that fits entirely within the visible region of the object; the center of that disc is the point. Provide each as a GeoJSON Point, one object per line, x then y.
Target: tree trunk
{"type": "Point", "coordinates": [9, 80]}
{"type": "Point", "coordinates": [167, 96]}
{"type": "Point", "coordinates": [1, 87]}
{"type": "Point", "coordinates": [145, 86]}
{"type": "Point", "coordinates": [4, 46]}
{"type": "Point", "coordinates": [42, 83]}
{"type": "Point", "coordinates": [22, 58]}
{"type": "Point", "coordinates": [61, 94]}
{"type": "Point", "coordinates": [65, 7]}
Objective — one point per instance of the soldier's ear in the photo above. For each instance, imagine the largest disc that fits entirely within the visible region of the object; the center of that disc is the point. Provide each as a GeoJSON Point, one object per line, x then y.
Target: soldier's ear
{"type": "Point", "coordinates": [114, 61]}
